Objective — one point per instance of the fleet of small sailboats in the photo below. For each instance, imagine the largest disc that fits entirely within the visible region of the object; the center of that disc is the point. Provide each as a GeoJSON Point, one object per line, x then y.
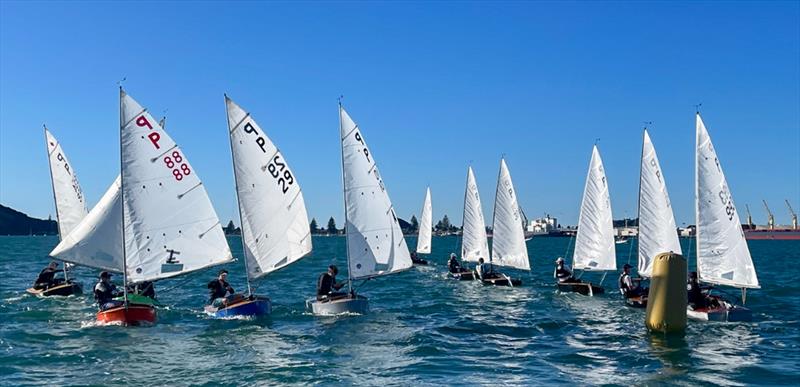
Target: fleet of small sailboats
{"type": "Point", "coordinates": [156, 221]}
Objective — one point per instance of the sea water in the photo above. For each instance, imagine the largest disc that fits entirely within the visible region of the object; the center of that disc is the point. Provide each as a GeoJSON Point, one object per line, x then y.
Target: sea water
{"type": "Point", "coordinates": [423, 329]}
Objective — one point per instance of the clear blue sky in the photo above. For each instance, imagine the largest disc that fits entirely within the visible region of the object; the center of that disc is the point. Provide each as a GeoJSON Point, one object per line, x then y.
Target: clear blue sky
{"type": "Point", "coordinates": [434, 87]}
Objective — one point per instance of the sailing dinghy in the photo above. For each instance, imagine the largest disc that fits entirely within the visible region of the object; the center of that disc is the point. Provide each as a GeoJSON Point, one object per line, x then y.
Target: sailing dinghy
{"type": "Point", "coordinates": [425, 230]}
{"type": "Point", "coordinates": [723, 257]}
{"type": "Point", "coordinates": [375, 243]}
{"type": "Point", "coordinates": [272, 211]}
{"type": "Point", "coordinates": [508, 234]}
{"type": "Point", "coordinates": [594, 244]}
{"type": "Point", "coordinates": [70, 209]}
{"type": "Point", "coordinates": [474, 243]}
{"type": "Point", "coordinates": [657, 230]}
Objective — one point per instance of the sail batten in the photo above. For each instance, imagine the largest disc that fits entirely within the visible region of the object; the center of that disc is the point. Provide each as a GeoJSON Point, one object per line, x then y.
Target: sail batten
{"type": "Point", "coordinates": [474, 243]}
{"type": "Point", "coordinates": [508, 243]}
{"type": "Point", "coordinates": [425, 224]}
{"type": "Point", "coordinates": [657, 229]}
{"type": "Point", "coordinates": [594, 244]}
{"type": "Point", "coordinates": [274, 220]}
{"type": "Point", "coordinates": [375, 243]}
{"type": "Point", "coordinates": [723, 256]}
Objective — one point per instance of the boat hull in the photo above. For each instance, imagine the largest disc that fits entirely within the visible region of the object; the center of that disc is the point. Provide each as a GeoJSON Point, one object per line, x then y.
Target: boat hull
{"type": "Point", "coordinates": [724, 313]}
{"type": "Point", "coordinates": [584, 288]}
{"type": "Point", "coordinates": [639, 302]}
{"type": "Point", "coordinates": [65, 289]}
{"type": "Point", "coordinates": [133, 314]}
{"type": "Point", "coordinates": [420, 262]}
{"type": "Point", "coordinates": [250, 307]}
{"type": "Point", "coordinates": [347, 305]}
{"type": "Point", "coordinates": [463, 276]}
{"type": "Point", "coordinates": [502, 281]}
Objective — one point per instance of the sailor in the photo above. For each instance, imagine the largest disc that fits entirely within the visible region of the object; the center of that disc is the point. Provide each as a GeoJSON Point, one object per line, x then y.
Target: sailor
{"type": "Point", "coordinates": [218, 289]}
{"type": "Point", "coordinates": [562, 273]}
{"type": "Point", "coordinates": [46, 277]}
{"type": "Point", "coordinates": [327, 285]}
{"type": "Point", "coordinates": [105, 291]}
{"type": "Point", "coordinates": [626, 286]}
{"type": "Point", "coordinates": [484, 270]}
{"type": "Point", "coordinates": [453, 264]}
{"type": "Point", "coordinates": [697, 299]}
{"type": "Point", "coordinates": [416, 259]}
{"type": "Point", "coordinates": [145, 288]}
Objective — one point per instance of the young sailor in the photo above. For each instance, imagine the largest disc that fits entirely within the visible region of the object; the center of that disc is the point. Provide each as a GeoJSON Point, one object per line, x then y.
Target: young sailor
{"type": "Point", "coordinates": [626, 283]}
{"type": "Point", "coordinates": [46, 277]}
{"type": "Point", "coordinates": [484, 270]}
{"type": "Point", "coordinates": [453, 265]}
{"type": "Point", "coordinates": [327, 285]}
{"type": "Point", "coordinates": [145, 289]}
{"type": "Point", "coordinates": [697, 298]}
{"type": "Point", "coordinates": [105, 291]}
{"type": "Point", "coordinates": [561, 273]}
{"type": "Point", "coordinates": [218, 289]}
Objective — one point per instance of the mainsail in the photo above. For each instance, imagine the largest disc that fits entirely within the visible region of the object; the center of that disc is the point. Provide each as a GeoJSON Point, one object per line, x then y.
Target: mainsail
{"type": "Point", "coordinates": [474, 244]}
{"type": "Point", "coordinates": [657, 230]}
{"type": "Point", "coordinates": [425, 224]}
{"type": "Point", "coordinates": [275, 225]}
{"type": "Point", "coordinates": [722, 253]}
{"type": "Point", "coordinates": [594, 244]}
{"type": "Point", "coordinates": [69, 201]}
{"type": "Point", "coordinates": [508, 242]}
{"type": "Point", "coordinates": [375, 243]}
{"type": "Point", "coordinates": [97, 240]}
{"type": "Point", "coordinates": [170, 225]}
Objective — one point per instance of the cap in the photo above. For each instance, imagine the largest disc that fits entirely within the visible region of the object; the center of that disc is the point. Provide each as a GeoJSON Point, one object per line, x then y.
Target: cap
{"type": "Point", "coordinates": [626, 266]}
{"type": "Point", "coordinates": [105, 274]}
{"type": "Point", "coordinates": [559, 260]}
{"type": "Point", "coordinates": [452, 255]}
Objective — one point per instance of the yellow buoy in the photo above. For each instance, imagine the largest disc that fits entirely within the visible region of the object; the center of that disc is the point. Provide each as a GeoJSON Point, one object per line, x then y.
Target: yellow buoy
{"type": "Point", "coordinates": [666, 301]}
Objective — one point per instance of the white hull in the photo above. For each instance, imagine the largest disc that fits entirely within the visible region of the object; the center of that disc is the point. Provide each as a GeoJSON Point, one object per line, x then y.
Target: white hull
{"type": "Point", "coordinates": [725, 313]}
{"type": "Point", "coordinates": [357, 305]}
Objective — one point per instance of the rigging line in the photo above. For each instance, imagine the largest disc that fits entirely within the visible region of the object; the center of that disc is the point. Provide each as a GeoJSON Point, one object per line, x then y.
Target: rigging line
{"type": "Point", "coordinates": [153, 160]}
{"type": "Point", "coordinates": [630, 249]}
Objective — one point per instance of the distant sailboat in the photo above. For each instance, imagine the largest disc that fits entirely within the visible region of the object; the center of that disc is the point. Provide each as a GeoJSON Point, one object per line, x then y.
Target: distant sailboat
{"type": "Point", "coordinates": [657, 230]}
{"type": "Point", "coordinates": [594, 243]}
{"type": "Point", "coordinates": [474, 243]}
{"type": "Point", "coordinates": [508, 235]}
{"type": "Point", "coordinates": [164, 223]}
{"type": "Point", "coordinates": [375, 243]}
{"type": "Point", "coordinates": [723, 257]}
{"type": "Point", "coordinates": [70, 208]}
{"type": "Point", "coordinates": [272, 211]}
{"type": "Point", "coordinates": [425, 230]}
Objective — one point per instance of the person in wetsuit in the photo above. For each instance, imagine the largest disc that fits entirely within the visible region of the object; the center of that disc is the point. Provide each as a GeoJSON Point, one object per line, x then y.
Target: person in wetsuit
{"type": "Point", "coordinates": [218, 289]}
{"type": "Point", "coordinates": [146, 289]}
{"type": "Point", "coordinates": [561, 273]}
{"type": "Point", "coordinates": [47, 276]}
{"type": "Point", "coordinates": [626, 283]}
{"type": "Point", "coordinates": [484, 270]}
{"type": "Point", "coordinates": [327, 286]}
{"type": "Point", "coordinates": [697, 300]}
{"type": "Point", "coordinates": [453, 265]}
{"type": "Point", "coordinates": [105, 291]}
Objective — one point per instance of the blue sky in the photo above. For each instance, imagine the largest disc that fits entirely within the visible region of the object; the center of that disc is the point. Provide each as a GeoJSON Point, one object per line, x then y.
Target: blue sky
{"type": "Point", "coordinates": [434, 86]}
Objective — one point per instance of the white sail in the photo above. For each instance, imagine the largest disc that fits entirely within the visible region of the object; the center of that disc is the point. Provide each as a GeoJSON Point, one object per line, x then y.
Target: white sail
{"type": "Point", "coordinates": [508, 241]}
{"type": "Point", "coordinates": [69, 201]}
{"type": "Point", "coordinates": [375, 243]}
{"type": "Point", "coordinates": [722, 253]}
{"type": "Point", "coordinates": [594, 244]}
{"type": "Point", "coordinates": [657, 230]}
{"type": "Point", "coordinates": [273, 213]}
{"type": "Point", "coordinates": [97, 240]}
{"type": "Point", "coordinates": [474, 244]}
{"type": "Point", "coordinates": [171, 227]}
{"type": "Point", "coordinates": [425, 224]}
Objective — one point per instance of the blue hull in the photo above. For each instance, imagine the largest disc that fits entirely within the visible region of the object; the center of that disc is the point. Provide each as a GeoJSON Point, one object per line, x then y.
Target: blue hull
{"type": "Point", "coordinates": [259, 306]}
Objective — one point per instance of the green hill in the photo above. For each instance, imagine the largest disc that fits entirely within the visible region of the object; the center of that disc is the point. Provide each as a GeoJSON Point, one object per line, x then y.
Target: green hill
{"type": "Point", "coordinates": [13, 222]}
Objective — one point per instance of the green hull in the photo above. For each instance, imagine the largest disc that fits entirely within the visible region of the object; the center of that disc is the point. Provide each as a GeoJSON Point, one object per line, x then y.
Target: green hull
{"type": "Point", "coordinates": [138, 299]}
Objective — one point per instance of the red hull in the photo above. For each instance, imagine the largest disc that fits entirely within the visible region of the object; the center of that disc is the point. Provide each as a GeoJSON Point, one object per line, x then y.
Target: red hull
{"type": "Point", "coordinates": [782, 235]}
{"type": "Point", "coordinates": [134, 314]}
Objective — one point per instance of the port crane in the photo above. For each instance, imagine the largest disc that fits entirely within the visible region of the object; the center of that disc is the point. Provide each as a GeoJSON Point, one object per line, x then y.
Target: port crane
{"type": "Point", "coordinates": [749, 218]}
{"type": "Point", "coordinates": [770, 219]}
{"type": "Point", "coordinates": [794, 216]}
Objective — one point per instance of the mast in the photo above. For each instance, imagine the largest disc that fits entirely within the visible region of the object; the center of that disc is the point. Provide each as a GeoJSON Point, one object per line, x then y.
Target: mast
{"type": "Point", "coordinates": [464, 213]}
{"type": "Point", "coordinates": [697, 192]}
{"type": "Point", "coordinates": [344, 195]}
{"type": "Point", "coordinates": [55, 200]}
{"type": "Point", "coordinates": [238, 202]}
{"type": "Point", "coordinates": [494, 212]}
{"type": "Point", "coordinates": [122, 207]}
{"type": "Point", "coordinates": [639, 210]}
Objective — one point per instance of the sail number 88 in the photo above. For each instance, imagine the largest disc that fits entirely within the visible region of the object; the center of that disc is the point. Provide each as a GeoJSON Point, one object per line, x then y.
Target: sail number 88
{"type": "Point", "coordinates": [279, 171]}
{"type": "Point", "coordinates": [176, 164]}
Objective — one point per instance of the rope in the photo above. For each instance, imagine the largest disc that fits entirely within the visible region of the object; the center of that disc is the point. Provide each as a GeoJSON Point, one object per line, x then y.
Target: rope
{"type": "Point", "coordinates": [630, 250]}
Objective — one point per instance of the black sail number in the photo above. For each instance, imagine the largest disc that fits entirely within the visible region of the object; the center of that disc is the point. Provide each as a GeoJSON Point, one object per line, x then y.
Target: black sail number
{"type": "Point", "coordinates": [277, 168]}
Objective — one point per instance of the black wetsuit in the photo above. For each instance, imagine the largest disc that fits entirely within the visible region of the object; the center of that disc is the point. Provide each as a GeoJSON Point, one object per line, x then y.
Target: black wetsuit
{"type": "Point", "coordinates": [696, 297]}
{"type": "Point", "coordinates": [564, 275]}
{"type": "Point", "coordinates": [104, 294]}
{"type": "Point", "coordinates": [326, 286]}
{"type": "Point", "coordinates": [46, 278]}
{"type": "Point", "coordinates": [454, 266]}
{"type": "Point", "coordinates": [218, 289]}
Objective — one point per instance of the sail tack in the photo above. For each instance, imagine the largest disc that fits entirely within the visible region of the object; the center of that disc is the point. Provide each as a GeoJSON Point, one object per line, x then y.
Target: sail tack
{"type": "Point", "coordinates": [474, 244]}
{"type": "Point", "coordinates": [171, 227]}
{"type": "Point", "coordinates": [657, 230]}
{"type": "Point", "coordinates": [375, 242]}
{"type": "Point", "coordinates": [722, 253]}
{"type": "Point", "coordinates": [275, 224]}
{"type": "Point", "coordinates": [69, 200]}
{"type": "Point", "coordinates": [425, 225]}
{"type": "Point", "coordinates": [97, 240]}
{"type": "Point", "coordinates": [508, 242]}
{"type": "Point", "coordinates": [594, 244]}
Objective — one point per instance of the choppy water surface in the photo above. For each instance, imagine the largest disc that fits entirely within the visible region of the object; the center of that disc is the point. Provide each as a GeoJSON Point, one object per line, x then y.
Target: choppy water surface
{"type": "Point", "coordinates": [422, 330]}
